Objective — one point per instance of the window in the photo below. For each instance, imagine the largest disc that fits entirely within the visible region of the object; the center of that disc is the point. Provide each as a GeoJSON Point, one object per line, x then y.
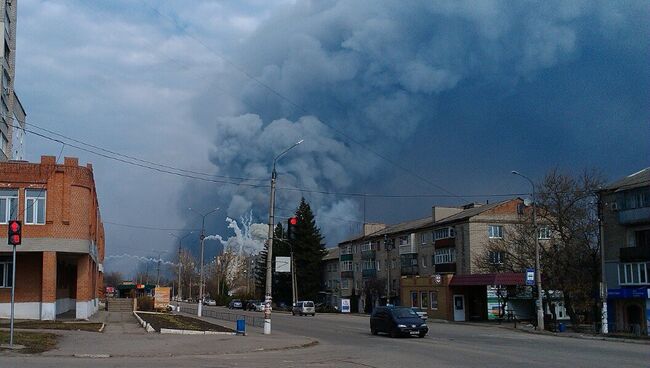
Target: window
{"type": "Point", "coordinates": [404, 240]}
{"type": "Point", "coordinates": [424, 299]}
{"type": "Point", "coordinates": [366, 247]}
{"type": "Point", "coordinates": [346, 266]}
{"type": "Point", "coordinates": [35, 206]}
{"type": "Point", "coordinates": [447, 232]}
{"type": "Point", "coordinates": [8, 205]}
{"type": "Point", "coordinates": [445, 255]}
{"type": "Point", "coordinates": [425, 238]}
{"type": "Point", "coordinates": [378, 265]}
{"type": "Point", "coordinates": [356, 266]}
{"type": "Point", "coordinates": [433, 297]}
{"type": "Point", "coordinates": [495, 231]}
{"type": "Point", "coordinates": [345, 283]}
{"type": "Point", "coordinates": [414, 299]}
{"type": "Point", "coordinates": [346, 249]}
{"type": "Point", "coordinates": [392, 264]}
{"type": "Point", "coordinates": [642, 238]}
{"type": "Point", "coordinates": [544, 233]}
{"type": "Point", "coordinates": [423, 261]}
{"type": "Point", "coordinates": [496, 257]}
{"type": "Point", "coordinates": [634, 273]}
{"type": "Point", "coordinates": [368, 265]}
{"type": "Point", "coordinates": [6, 272]}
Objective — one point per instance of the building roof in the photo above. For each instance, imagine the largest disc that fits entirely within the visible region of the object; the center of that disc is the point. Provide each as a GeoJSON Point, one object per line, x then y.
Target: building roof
{"type": "Point", "coordinates": [332, 253]}
{"type": "Point", "coordinates": [506, 278]}
{"type": "Point", "coordinates": [636, 180]}
{"type": "Point", "coordinates": [471, 212]}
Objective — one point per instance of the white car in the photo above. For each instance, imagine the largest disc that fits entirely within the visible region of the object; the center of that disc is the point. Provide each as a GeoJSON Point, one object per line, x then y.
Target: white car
{"type": "Point", "coordinates": [209, 302]}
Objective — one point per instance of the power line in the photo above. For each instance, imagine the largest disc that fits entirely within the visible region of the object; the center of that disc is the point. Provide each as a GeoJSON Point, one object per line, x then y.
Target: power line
{"type": "Point", "coordinates": [147, 227]}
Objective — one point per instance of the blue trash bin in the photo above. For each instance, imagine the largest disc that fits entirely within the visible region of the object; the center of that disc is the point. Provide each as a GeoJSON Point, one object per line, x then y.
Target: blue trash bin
{"type": "Point", "coordinates": [241, 326]}
{"type": "Point", "coordinates": [561, 327]}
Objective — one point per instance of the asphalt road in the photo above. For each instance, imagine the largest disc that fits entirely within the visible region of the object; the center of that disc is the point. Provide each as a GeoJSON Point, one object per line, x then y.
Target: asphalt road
{"type": "Point", "coordinates": [345, 341]}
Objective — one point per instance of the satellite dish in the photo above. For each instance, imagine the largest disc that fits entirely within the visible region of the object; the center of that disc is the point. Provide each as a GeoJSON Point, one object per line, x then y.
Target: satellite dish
{"type": "Point", "coordinates": [528, 202]}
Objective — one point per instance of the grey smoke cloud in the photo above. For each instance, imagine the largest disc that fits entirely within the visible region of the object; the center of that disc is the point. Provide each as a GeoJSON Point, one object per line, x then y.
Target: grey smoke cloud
{"type": "Point", "coordinates": [375, 70]}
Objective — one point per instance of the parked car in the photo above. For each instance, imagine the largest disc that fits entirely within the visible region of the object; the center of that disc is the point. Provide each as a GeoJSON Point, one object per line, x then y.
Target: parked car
{"type": "Point", "coordinates": [210, 302]}
{"type": "Point", "coordinates": [421, 312]}
{"type": "Point", "coordinates": [259, 307]}
{"type": "Point", "coordinates": [251, 305]}
{"type": "Point", "coordinates": [303, 308]}
{"type": "Point", "coordinates": [397, 321]}
{"type": "Point", "coordinates": [235, 304]}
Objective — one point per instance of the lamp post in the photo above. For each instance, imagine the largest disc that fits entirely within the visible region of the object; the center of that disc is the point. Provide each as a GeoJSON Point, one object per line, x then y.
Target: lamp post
{"type": "Point", "coordinates": [540, 311]}
{"type": "Point", "coordinates": [269, 255]}
{"type": "Point", "coordinates": [180, 246]}
{"type": "Point", "coordinates": [202, 238]}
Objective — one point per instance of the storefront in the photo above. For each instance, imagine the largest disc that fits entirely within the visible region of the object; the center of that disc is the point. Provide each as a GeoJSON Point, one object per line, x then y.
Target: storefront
{"type": "Point", "coordinates": [431, 293]}
{"type": "Point", "coordinates": [481, 297]}
{"type": "Point", "coordinates": [629, 310]}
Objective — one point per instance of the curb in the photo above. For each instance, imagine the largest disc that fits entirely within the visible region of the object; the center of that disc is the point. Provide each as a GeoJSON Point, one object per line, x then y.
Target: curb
{"type": "Point", "coordinates": [144, 324]}
{"type": "Point", "coordinates": [192, 332]}
{"type": "Point", "coordinates": [91, 355]}
{"type": "Point", "coordinates": [101, 329]}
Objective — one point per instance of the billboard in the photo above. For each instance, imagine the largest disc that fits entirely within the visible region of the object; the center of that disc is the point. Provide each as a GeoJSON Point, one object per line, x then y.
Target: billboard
{"type": "Point", "coordinates": [161, 297]}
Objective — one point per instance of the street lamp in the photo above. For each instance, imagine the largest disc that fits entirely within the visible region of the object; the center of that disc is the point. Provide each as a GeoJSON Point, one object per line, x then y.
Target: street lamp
{"type": "Point", "coordinates": [180, 246]}
{"type": "Point", "coordinates": [269, 255]}
{"type": "Point", "coordinates": [540, 311]}
{"type": "Point", "coordinates": [202, 238]}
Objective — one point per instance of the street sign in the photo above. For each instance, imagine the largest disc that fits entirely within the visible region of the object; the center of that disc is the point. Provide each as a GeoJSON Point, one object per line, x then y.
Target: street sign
{"type": "Point", "coordinates": [345, 305]}
{"type": "Point", "coordinates": [437, 278]}
{"type": "Point", "coordinates": [530, 276]}
{"type": "Point", "coordinates": [282, 264]}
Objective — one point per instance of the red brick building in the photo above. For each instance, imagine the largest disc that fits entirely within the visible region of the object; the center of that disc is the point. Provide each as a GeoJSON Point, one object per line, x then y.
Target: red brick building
{"type": "Point", "coordinates": [59, 263]}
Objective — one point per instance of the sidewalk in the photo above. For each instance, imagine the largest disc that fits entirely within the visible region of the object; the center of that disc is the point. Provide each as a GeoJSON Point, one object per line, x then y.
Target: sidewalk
{"type": "Point", "coordinates": [124, 337]}
{"type": "Point", "coordinates": [529, 328]}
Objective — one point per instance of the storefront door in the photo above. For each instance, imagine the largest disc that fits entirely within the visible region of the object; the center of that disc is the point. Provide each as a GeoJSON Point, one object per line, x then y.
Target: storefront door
{"type": "Point", "coordinates": [459, 308]}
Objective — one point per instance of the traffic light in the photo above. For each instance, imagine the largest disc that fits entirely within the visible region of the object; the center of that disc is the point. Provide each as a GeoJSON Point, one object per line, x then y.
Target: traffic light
{"type": "Point", "coordinates": [15, 232]}
{"type": "Point", "coordinates": [291, 228]}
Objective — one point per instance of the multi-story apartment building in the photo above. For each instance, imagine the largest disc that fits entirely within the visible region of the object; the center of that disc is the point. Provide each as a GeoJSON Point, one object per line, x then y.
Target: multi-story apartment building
{"type": "Point", "coordinates": [331, 278]}
{"type": "Point", "coordinates": [625, 215]}
{"type": "Point", "coordinates": [432, 262]}
{"type": "Point", "coordinates": [59, 263]}
{"type": "Point", "coordinates": [12, 113]}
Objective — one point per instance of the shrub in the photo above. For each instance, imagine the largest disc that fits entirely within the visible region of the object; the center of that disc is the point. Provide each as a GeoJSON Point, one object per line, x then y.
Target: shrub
{"type": "Point", "coordinates": [145, 304]}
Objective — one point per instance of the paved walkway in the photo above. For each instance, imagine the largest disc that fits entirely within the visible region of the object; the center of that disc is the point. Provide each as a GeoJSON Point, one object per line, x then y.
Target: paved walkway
{"type": "Point", "coordinates": [124, 337]}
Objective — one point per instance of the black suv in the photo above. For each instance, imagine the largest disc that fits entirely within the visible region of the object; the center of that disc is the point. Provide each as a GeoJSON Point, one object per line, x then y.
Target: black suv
{"type": "Point", "coordinates": [397, 321]}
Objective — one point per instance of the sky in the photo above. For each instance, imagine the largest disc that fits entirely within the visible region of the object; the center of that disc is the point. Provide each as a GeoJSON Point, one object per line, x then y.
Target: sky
{"type": "Point", "coordinates": [440, 98]}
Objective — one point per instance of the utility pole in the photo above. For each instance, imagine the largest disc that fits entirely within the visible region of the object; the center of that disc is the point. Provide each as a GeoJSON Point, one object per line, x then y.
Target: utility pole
{"type": "Point", "coordinates": [603, 282]}
{"type": "Point", "coordinates": [202, 238]}
{"type": "Point", "coordinates": [540, 310]}
{"type": "Point", "coordinates": [269, 256]}
{"type": "Point", "coordinates": [388, 264]}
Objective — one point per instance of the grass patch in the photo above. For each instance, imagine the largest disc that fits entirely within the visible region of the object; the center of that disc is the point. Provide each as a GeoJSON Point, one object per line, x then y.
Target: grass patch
{"type": "Point", "coordinates": [34, 342]}
{"type": "Point", "coordinates": [178, 322]}
{"type": "Point", "coordinates": [55, 325]}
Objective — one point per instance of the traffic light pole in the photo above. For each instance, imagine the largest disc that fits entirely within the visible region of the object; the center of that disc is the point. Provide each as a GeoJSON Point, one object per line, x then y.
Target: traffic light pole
{"type": "Point", "coordinates": [13, 294]}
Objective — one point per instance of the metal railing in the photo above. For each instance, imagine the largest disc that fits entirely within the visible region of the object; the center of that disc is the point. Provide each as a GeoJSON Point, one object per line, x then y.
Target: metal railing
{"type": "Point", "coordinates": [224, 316]}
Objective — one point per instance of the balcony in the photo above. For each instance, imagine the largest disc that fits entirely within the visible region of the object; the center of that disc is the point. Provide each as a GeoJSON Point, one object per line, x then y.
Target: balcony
{"type": "Point", "coordinates": [368, 254]}
{"type": "Point", "coordinates": [408, 249]}
{"type": "Point", "coordinates": [346, 257]}
{"type": "Point", "coordinates": [445, 243]}
{"type": "Point", "coordinates": [369, 273]}
{"type": "Point", "coordinates": [634, 216]}
{"type": "Point", "coordinates": [347, 274]}
{"type": "Point", "coordinates": [635, 254]}
{"type": "Point", "coordinates": [409, 270]}
{"type": "Point", "coordinates": [446, 268]}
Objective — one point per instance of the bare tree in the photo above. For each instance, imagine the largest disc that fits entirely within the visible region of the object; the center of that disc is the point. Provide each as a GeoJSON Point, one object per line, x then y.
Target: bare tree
{"type": "Point", "coordinates": [113, 278]}
{"type": "Point", "coordinates": [569, 259]}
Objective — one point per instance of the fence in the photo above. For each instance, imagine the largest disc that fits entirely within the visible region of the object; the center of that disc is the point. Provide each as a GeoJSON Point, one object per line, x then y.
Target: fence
{"type": "Point", "coordinates": [224, 316]}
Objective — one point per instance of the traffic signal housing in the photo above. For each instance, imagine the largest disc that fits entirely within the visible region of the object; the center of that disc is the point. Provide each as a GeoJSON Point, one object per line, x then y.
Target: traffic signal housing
{"type": "Point", "coordinates": [15, 237]}
{"type": "Point", "coordinates": [292, 222]}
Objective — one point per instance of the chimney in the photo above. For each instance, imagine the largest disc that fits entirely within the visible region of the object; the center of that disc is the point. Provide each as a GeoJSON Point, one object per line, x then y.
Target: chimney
{"type": "Point", "coordinates": [48, 160]}
{"type": "Point", "coordinates": [372, 227]}
{"type": "Point", "coordinates": [71, 161]}
{"type": "Point", "coordinates": [438, 212]}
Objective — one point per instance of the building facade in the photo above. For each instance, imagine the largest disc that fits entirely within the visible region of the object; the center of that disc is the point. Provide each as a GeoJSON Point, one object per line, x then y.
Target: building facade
{"type": "Point", "coordinates": [59, 263]}
{"type": "Point", "coordinates": [331, 278]}
{"type": "Point", "coordinates": [12, 113]}
{"type": "Point", "coordinates": [431, 262]}
{"type": "Point", "coordinates": [625, 216]}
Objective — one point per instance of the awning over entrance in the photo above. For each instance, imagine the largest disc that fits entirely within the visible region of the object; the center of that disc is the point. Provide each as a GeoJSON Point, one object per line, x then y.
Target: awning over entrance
{"type": "Point", "coordinates": [506, 278]}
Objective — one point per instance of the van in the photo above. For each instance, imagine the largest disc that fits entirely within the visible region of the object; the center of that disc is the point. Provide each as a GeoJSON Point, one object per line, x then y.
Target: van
{"type": "Point", "coordinates": [304, 308]}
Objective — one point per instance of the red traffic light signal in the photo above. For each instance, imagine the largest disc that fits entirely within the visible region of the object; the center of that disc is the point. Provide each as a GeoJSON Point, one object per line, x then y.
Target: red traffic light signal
{"type": "Point", "coordinates": [291, 228]}
{"type": "Point", "coordinates": [15, 232]}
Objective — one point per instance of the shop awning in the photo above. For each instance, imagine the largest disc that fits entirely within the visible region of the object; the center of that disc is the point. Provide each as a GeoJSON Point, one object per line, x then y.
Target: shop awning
{"type": "Point", "coordinates": [506, 278]}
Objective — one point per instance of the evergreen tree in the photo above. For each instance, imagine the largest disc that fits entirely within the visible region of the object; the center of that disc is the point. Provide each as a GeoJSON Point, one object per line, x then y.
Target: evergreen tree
{"type": "Point", "coordinates": [309, 250]}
